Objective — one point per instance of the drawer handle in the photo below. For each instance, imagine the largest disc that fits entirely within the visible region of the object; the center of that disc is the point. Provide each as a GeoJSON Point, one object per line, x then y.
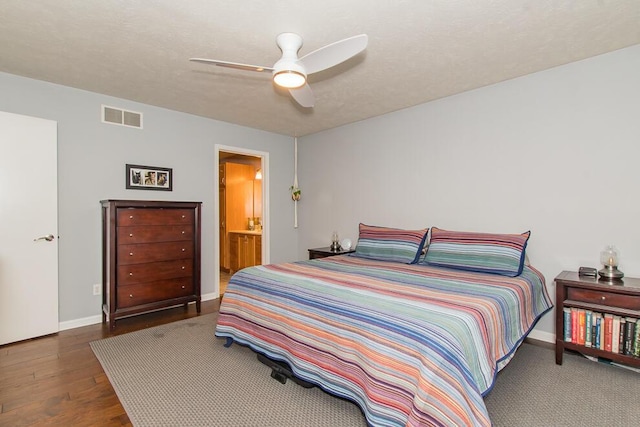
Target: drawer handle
{"type": "Point", "coordinates": [130, 234]}
{"type": "Point", "coordinates": [130, 295]}
{"type": "Point", "coordinates": [130, 216]}
{"type": "Point", "coordinates": [183, 267]}
{"type": "Point", "coordinates": [182, 216]}
{"type": "Point", "coordinates": [603, 298]}
{"type": "Point", "coordinates": [182, 286]}
{"type": "Point", "coordinates": [182, 231]}
{"type": "Point", "coordinates": [130, 253]}
{"type": "Point", "coordinates": [130, 274]}
{"type": "Point", "coordinates": [183, 249]}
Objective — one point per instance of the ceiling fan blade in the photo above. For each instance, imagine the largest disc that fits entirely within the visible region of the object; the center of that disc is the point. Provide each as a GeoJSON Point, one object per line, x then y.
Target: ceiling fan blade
{"type": "Point", "coordinates": [303, 96]}
{"type": "Point", "coordinates": [236, 65]}
{"type": "Point", "coordinates": [334, 53]}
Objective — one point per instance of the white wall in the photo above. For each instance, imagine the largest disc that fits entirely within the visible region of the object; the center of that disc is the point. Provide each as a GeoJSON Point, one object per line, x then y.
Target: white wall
{"type": "Point", "coordinates": [554, 152]}
{"type": "Point", "coordinates": [91, 166]}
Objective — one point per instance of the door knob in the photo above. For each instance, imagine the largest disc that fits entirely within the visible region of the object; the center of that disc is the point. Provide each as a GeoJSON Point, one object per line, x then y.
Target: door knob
{"type": "Point", "coordinates": [48, 238]}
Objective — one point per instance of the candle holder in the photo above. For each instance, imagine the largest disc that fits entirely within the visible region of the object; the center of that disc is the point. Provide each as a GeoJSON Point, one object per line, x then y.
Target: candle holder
{"type": "Point", "coordinates": [609, 258]}
{"type": "Point", "coordinates": [335, 242]}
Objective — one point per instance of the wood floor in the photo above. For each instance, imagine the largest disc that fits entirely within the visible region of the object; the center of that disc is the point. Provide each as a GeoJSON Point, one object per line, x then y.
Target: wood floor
{"type": "Point", "coordinates": [57, 380]}
{"type": "Point", "coordinates": [224, 281]}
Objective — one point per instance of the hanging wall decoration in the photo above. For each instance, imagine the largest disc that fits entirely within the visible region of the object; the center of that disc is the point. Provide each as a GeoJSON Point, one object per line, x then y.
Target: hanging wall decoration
{"type": "Point", "coordinates": [148, 178]}
{"type": "Point", "coordinates": [295, 190]}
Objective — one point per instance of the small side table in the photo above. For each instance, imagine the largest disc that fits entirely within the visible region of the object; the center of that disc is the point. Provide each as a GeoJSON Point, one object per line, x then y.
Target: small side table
{"type": "Point", "coordinates": [619, 298]}
{"type": "Point", "coordinates": [326, 252]}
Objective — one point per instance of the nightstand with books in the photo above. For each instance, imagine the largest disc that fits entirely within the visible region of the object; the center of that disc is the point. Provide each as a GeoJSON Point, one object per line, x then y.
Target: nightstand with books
{"type": "Point", "coordinates": [598, 318]}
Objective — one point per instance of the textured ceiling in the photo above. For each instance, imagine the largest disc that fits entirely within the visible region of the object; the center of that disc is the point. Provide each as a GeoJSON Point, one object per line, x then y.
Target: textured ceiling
{"type": "Point", "coordinates": [418, 50]}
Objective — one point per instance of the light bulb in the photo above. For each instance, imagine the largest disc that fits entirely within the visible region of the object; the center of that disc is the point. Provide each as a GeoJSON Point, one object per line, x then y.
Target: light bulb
{"type": "Point", "coordinates": [289, 79]}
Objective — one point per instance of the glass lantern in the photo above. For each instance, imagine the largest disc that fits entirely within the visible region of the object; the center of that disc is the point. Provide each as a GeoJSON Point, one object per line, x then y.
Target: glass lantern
{"type": "Point", "coordinates": [609, 259]}
{"type": "Point", "coordinates": [335, 242]}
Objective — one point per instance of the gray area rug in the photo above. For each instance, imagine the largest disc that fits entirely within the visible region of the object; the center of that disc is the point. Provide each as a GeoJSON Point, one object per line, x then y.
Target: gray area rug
{"type": "Point", "coordinates": [180, 374]}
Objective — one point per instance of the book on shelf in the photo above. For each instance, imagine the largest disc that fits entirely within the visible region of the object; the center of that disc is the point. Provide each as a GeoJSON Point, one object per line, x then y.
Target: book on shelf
{"type": "Point", "coordinates": [594, 329]}
{"type": "Point", "coordinates": [604, 331]}
{"type": "Point", "coordinates": [623, 328]}
{"type": "Point", "coordinates": [566, 312]}
{"type": "Point", "coordinates": [587, 328]}
{"type": "Point", "coordinates": [581, 326]}
{"type": "Point", "coordinates": [615, 338]}
{"type": "Point", "coordinates": [597, 327]}
{"type": "Point", "coordinates": [636, 339]}
{"type": "Point", "coordinates": [629, 333]}
{"type": "Point", "coordinates": [608, 330]}
{"type": "Point", "coordinates": [574, 325]}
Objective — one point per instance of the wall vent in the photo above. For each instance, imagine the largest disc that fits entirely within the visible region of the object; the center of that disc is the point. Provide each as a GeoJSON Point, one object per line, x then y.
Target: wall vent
{"type": "Point", "coordinates": [118, 116]}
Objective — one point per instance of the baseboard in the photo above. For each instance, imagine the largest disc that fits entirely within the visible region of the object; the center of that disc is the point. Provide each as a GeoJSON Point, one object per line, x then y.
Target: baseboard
{"type": "Point", "coordinates": [209, 297]}
{"type": "Point", "coordinates": [92, 320]}
{"type": "Point", "coordinates": [542, 336]}
{"type": "Point", "coordinates": [77, 323]}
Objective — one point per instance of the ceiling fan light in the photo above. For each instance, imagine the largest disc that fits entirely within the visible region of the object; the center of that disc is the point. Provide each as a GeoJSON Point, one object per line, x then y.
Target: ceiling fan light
{"type": "Point", "coordinates": [289, 79]}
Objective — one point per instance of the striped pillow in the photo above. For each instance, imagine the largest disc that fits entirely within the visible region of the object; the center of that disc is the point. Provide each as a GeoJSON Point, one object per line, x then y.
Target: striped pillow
{"type": "Point", "coordinates": [390, 244]}
{"type": "Point", "coordinates": [502, 254]}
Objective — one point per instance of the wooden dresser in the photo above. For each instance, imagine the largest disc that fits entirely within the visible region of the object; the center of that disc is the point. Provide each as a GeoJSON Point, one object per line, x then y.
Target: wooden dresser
{"type": "Point", "coordinates": [150, 256]}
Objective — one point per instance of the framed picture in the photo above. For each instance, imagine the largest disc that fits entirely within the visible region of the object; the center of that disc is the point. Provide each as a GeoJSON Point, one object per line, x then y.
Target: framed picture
{"type": "Point", "coordinates": [149, 178]}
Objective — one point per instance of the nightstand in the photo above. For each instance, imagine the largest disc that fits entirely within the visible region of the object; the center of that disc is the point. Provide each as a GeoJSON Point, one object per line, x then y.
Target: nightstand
{"type": "Point", "coordinates": [326, 252]}
{"type": "Point", "coordinates": [597, 298]}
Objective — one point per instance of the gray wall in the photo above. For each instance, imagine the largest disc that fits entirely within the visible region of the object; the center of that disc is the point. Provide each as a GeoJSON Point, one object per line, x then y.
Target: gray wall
{"type": "Point", "coordinates": [554, 152]}
{"type": "Point", "coordinates": [91, 166]}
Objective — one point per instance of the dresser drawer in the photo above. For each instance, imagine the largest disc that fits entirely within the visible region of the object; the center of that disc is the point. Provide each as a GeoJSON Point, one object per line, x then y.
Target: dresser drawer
{"type": "Point", "coordinates": [141, 253]}
{"type": "Point", "coordinates": [630, 302]}
{"type": "Point", "coordinates": [158, 216]}
{"type": "Point", "coordinates": [154, 233]}
{"type": "Point", "coordinates": [152, 271]}
{"type": "Point", "coordinates": [144, 293]}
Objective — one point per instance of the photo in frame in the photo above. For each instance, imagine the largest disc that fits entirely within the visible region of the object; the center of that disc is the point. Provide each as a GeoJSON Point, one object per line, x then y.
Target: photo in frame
{"type": "Point", "coordinates": [149, 178]}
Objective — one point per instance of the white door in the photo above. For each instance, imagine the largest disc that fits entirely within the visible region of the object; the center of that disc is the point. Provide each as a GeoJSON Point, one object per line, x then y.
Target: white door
{"type": "Point", "coordinates": [28, 227]}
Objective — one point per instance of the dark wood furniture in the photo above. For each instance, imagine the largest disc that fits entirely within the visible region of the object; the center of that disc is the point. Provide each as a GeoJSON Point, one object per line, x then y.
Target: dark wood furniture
{"type": "Point", "coordinates": [620, 298]}
{"type": "Point", "coordinates": [150, 256]}
{"type": "Point", "coordinates": [326, 252]}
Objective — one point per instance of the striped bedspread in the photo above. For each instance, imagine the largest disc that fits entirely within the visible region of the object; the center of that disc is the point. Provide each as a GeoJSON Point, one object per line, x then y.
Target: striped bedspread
{"type": "Point", "coordinates": [410, 344]}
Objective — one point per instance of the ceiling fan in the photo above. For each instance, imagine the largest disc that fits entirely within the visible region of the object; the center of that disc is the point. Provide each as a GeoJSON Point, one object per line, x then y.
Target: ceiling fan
{"type": "Point", "coordinates": [290, 72]}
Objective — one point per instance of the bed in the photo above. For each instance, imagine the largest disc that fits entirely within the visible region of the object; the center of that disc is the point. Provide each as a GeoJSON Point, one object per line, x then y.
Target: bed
{"type": "Point", "coordinates": [412, 343]}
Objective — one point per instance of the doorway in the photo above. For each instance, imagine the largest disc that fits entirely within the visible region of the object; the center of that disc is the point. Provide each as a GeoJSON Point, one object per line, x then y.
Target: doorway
{"type": "Point", "coordinates": [242, 214]}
